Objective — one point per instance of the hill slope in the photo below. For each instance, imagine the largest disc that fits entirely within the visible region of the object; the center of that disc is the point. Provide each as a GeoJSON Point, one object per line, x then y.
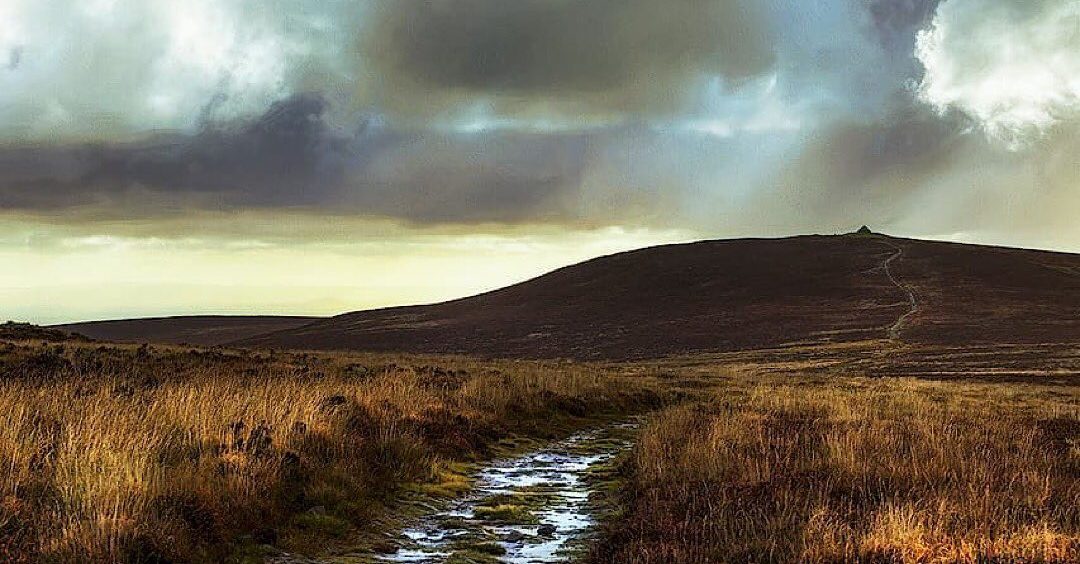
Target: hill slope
{"type": "Point", "coordinates": [736, 294]}
{"type": "Point", "coordinates": [194, 330]}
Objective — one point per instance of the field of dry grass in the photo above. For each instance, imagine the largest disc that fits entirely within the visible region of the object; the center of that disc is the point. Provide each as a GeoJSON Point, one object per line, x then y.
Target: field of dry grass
{"type": "Point", "coordinates": [113, 453]}
{"type": "Point", "coordinates": [830, 469]}
{"type": "Point", "coordinates": [158, 454]}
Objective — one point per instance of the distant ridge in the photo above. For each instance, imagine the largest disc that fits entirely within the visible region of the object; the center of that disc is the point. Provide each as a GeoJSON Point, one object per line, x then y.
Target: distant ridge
{"type": "Point", "coordinates": [206, 330]}
{"type": "Point", "coordinates": [714, 296]}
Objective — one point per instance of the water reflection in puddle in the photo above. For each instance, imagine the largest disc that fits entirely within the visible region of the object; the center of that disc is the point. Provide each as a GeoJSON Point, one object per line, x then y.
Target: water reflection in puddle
{"type": "Point", "coordinates": [551, 483]}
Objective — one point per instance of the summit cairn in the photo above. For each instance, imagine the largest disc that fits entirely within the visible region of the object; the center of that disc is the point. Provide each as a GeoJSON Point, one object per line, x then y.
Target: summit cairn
{"type": "Point", "coordinates": [864, 230]}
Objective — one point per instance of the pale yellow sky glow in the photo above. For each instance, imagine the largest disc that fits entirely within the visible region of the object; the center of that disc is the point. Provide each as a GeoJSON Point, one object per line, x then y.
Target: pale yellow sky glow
{"type": "Point", "coordinates": [58, 274]}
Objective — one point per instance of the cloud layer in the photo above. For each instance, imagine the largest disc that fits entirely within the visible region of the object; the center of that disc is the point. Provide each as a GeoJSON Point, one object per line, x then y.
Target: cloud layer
{"type": "Point", "coordinates": [293, 157]}
{"type": "Point", "coordinates": [725, 116]}
{"type": "Point", "coordinates": [563, 57]}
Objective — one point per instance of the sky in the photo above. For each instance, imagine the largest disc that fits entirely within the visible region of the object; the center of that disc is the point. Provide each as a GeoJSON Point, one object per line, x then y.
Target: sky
{"type": "Point", "coordinates": [160, 157]}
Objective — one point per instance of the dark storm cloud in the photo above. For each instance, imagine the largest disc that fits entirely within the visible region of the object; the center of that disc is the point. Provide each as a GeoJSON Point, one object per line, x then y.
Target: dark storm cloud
{"type": "Point", "coordinates": [498, 176]}
{"type": "Point", "coordinates": [897, 21]}
{"type": "Point", "coordinates": [283, 157]}
{"type": "Point", "coordinates": [601, 56]}
{"type": "Point", "coordinates": [292, 157]}
{"type": "Point", "coordinates": [896, 24]}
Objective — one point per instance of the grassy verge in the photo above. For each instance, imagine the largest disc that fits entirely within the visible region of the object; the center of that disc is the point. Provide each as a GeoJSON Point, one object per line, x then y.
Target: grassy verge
{"type": "Point", "coordinates": [111, 453]}
{"type": "Point", "coordinates": [781, 470]}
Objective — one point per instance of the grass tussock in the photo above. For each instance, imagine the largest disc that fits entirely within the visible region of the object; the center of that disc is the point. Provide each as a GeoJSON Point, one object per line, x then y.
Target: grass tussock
{"type": "Point", "coordinates": [856, 470]}
{"type": "Point", "coordinates": [137, 454]}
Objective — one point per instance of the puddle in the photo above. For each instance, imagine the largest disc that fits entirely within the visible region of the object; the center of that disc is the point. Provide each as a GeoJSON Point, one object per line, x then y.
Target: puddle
{"type": "Point", "coordinates": [532, 508]}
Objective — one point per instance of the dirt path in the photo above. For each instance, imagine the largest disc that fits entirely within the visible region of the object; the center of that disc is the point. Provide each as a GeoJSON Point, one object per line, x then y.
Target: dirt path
{"type": "Point", "coordinates": [893, 330]}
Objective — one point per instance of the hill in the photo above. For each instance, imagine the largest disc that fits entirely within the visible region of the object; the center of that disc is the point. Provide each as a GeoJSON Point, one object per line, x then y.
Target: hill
{"type": "Point", "coordinates": [14, 331]}
{"type": "Point", "coordinates": [194, 330]}
{"type": "Point", "coordinates": [726, 295]}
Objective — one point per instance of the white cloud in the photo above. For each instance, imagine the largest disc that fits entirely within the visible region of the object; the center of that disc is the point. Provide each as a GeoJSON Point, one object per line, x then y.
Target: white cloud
{"type": "Point", "coordinates": [1011, 65]}
{"type": "Point", "coordinates": [107, 67]}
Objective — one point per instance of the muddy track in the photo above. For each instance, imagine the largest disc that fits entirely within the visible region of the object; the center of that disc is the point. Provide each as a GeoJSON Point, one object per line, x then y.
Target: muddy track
{"type": "Point", "coordinates": [893, 331]}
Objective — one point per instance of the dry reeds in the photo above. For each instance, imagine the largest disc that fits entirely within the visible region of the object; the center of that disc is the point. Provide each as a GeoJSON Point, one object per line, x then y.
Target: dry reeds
{"type": "Point", "coordinates": [135, 454]}
{"type": "Point", "coordinates": [857, 470]}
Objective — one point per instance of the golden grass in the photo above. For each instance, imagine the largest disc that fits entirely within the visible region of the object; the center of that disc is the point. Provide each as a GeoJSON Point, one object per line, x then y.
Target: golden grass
{"type": "Point", "coordinates": [153, 454]}
{"type": "Point", "coordinates": [865, 470]}
{"type": "Point", "coordinates": [126, 454]}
